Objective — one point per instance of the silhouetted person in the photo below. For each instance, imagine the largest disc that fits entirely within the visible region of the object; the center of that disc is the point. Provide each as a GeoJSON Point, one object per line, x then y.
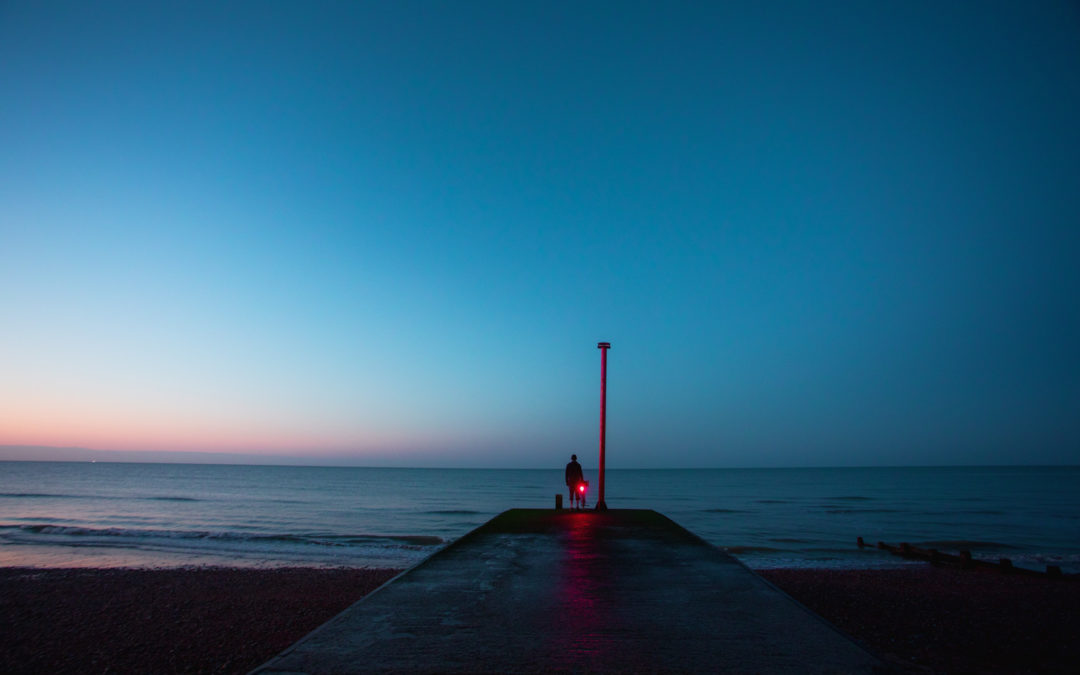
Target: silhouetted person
{"type": "Point", "coordinates": [574, 478]}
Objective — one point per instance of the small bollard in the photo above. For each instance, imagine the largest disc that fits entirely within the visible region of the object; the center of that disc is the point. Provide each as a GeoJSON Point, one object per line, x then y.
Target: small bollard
{"type": "Point", "coordinates": [965, 560]}
{"type": "Point", "coordinates": [558, 502]}
{"type": "Point", "coordinates": [1006, 565]}
{"type": "Point", "coordinates": [861, 542]}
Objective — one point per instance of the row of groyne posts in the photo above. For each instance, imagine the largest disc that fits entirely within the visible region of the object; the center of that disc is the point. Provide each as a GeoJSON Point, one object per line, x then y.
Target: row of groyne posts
{"type": "Point", "coordinates": [963, 560]}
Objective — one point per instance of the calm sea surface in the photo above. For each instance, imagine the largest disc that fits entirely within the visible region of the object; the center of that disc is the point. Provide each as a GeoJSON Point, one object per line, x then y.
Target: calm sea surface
{"type": "Point", "coordinates": [106, 514]}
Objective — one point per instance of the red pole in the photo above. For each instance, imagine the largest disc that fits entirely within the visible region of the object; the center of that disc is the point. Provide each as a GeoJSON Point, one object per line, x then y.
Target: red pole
{"type": "Point", "coordinates": [603, 347]}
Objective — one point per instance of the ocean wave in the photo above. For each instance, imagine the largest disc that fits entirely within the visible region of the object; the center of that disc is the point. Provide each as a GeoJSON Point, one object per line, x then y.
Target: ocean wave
{"type": "Point", "coordinates": [852, 498]}
{"type": "Point", "coordinates": [454, 512]}
{"type": "Point", "coordinates": [42, 529]}
{"type": "Point", "coordinates": [413, 539]}
{"type": "Point", "coordinates": [789, 540]}
{"type": "Point", "coordinates": [963, 544]}
{"type": "Point", "coordinates": [844, 512]}
{"type": "Point", "coordinates": [723, 511]}
{"type": "Point", "coordinates": [47, 495]}
{"type": "Point", "coordinates": [736, 550]}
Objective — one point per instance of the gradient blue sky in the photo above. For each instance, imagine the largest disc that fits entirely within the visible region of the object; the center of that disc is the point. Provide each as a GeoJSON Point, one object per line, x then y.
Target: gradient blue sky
{"type": "Point", "coordinates": [816, 233]}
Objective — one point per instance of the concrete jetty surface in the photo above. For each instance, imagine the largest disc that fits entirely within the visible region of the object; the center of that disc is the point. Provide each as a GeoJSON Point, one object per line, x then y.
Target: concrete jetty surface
{"type": "Point", "coordinates": [542, 590]}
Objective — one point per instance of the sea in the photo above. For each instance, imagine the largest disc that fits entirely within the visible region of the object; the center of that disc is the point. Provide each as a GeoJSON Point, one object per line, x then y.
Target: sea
{"type": "Point", "coordinates": [82, 514]}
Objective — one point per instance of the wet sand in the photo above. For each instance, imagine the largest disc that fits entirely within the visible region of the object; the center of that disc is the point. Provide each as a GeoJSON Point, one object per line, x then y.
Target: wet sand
{"type": "Point", "coordinates": [230, 620]}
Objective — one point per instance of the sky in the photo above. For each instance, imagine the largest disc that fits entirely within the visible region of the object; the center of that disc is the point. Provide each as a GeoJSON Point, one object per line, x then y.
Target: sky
{"type": "Point", "coordinates": [392, 233]}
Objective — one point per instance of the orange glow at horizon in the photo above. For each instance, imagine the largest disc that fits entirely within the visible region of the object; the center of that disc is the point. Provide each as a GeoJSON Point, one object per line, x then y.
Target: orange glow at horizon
{"type": "Point", "coordinates": [106, 430]}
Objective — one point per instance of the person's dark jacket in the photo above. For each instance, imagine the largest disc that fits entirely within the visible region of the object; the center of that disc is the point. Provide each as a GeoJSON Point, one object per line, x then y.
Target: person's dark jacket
{"type": "Point", "coordinates": [573, 474]}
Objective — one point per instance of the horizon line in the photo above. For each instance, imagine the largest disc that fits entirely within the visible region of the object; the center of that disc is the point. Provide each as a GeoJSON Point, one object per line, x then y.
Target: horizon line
{"type": "Point", "coordinates": [168, 458]}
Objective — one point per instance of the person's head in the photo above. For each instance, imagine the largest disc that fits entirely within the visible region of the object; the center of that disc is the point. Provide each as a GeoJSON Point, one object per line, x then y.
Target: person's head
{"type": "Point", "coordinates": [573, 457]}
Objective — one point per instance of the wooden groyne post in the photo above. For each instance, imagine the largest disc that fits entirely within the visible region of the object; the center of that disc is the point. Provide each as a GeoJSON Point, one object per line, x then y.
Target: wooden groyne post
{"type": "Point", "coordinates": [962, 560]}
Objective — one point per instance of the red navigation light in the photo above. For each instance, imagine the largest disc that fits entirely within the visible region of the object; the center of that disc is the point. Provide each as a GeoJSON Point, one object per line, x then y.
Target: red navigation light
{"type": "Point", "coordinates": [581, 488]}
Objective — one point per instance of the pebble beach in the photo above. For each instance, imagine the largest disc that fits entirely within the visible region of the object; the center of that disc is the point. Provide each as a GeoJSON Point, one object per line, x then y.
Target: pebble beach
{"type": "Point", "coordinates": [920, 619]}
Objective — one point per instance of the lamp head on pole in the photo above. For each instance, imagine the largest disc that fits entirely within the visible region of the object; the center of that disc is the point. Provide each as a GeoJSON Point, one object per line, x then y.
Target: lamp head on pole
{"type": "Point", "coordinates": [603, 345]}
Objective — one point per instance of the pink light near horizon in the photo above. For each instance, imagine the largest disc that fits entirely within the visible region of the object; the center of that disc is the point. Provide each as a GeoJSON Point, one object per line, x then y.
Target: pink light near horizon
{"type": "Point", "coordinates": [97, 427]}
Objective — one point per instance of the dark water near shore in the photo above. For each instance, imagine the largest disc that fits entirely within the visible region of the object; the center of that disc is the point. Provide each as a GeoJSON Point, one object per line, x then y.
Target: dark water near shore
{"type": "Point", "coordinates": [106, 514]}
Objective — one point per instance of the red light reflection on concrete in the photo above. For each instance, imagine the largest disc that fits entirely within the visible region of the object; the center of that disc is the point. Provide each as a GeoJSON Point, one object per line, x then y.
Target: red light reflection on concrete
{"type": "Point", "coordinates": [584, 594]}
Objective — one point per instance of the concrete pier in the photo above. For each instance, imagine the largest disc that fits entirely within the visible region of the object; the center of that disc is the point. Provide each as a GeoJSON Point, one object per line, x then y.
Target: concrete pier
{"type": "Point", "coordinates": [543, 590]}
